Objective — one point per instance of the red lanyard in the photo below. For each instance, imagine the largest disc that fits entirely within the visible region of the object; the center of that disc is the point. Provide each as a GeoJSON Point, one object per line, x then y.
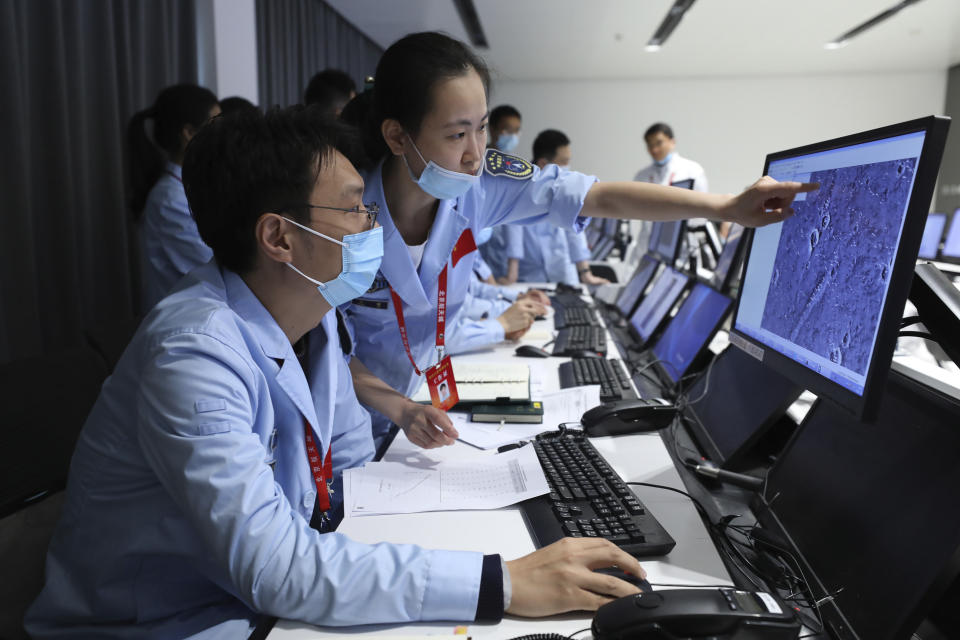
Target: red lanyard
{"type": "Point", "coordinates": [174, 176]}
{"type": "Point", "coordinates": [441, 317]}
{"type": "Point", "coordinates": [321, 473]}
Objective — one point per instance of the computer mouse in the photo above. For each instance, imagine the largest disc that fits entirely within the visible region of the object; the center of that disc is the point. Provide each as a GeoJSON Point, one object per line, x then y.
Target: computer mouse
{"type": "Point", "coordinates": [586, 353]}
{"type": "Point", "coordinates": [531, 351]}
{"type": "Point", "coordinates": [637, 581]}
{"type": "Point", "coordinates": [628, 416]}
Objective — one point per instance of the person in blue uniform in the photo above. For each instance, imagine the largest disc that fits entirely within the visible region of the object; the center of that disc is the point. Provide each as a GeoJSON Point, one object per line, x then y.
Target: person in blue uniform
{"type": "Point", "coordinates": [170, 243]}
{"type": "Point", "coordinates": [541, 252]}
{"type": "Point", "coordinates": [199, 491]}
{"type": "Point", "coordinates": [438, 186]}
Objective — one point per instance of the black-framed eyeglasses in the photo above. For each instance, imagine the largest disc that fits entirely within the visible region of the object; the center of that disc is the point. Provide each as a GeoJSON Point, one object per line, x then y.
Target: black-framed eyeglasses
{"type": "Point", "coordinates": [371, 210]}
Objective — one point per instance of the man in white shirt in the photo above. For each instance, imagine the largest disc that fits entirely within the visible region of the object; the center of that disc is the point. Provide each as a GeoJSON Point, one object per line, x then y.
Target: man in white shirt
{"type": "Point", "coordinates": [668, 166]}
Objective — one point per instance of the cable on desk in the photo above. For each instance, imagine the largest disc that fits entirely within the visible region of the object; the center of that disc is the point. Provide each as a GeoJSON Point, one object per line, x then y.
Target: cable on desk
{"type": "Point", "coordinates": [549, 636]}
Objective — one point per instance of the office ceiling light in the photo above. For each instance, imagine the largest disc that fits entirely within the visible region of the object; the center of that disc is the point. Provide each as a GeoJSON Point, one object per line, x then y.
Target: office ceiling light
{"type": "Point", "coordinates": [670, 22]}
{"type": "Point", "coordinates": [844, 39]}
{"type": "Point", "coordinates": [471, 22]}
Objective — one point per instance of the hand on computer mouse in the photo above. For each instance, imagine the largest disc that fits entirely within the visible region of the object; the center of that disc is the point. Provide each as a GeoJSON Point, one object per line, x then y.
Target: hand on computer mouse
{"type": "Point", "coordinates": [560, 577]}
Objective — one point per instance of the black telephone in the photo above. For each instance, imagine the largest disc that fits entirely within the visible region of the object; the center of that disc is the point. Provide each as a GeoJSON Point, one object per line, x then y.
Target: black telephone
{"type": "Point", "coordinates": [628, 416]}
{"type": "Point", "coordinates": [681, 614]}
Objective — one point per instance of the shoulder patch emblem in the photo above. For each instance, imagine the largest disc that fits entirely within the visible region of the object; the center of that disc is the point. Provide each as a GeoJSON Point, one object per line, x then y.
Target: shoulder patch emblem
{"type": "Point", "coordinates": [501, 164]}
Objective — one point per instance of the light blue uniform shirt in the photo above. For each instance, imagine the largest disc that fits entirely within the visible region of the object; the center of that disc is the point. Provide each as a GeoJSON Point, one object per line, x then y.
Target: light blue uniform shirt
{"type": "Point", "coordinates": [552, 196]}
{"type": "Point", "coordinates": [544, 252]}
{"type": "Point", "coordinates": [171, 243]}
{"type": "Point", "coordinates": [190, 495]}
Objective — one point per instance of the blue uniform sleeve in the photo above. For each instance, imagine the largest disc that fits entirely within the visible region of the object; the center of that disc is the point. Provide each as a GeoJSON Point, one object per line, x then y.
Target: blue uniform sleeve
{"type": "Point", "coordinates": [198, 402]}
{"type": "Point", "coordinates": [551, 195]}
{"type": "Point", "coordinates": [515, 248]}
{"type": "Point", "coordinates": [577, 244]}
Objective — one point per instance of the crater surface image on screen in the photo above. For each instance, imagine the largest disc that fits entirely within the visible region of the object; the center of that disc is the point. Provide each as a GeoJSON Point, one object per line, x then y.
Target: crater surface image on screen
{"type": "Point", "coordinates": [932, 231]}
{"type": "Point", "coordinates": [690, 330]}
{"type": "Point", "coordinates": [658, 302]}
{"type": "Point", "coordinates": [631, 293]}
{"type": "Point", "coordinates": [951, 244]}
{"type": "Point", "coordinates": [834, 260]}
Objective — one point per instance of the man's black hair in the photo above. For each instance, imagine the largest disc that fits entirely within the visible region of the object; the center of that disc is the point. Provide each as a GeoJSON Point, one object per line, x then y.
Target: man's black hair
{"type": "Point", "coordinates": [547, 143]}
{"type": "Point", "coordinates": [235, 103]}
{"type": "Point", "coordinates": [329, 89]}
{"type": "Point", "coordinates": [660, 127]}
{"type": "Point", "coordinates": [501, 112]}
{"type": "Point", "coordinates": [245, 164]}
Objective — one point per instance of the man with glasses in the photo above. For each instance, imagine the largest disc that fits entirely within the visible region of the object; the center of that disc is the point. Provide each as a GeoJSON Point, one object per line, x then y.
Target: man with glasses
{"type": "Point", "coordinates": [203, 484]}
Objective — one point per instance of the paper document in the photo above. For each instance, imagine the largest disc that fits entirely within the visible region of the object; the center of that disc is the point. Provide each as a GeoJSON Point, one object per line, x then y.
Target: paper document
{"type": "Point", "coordinates": [481, 482]}
{"type": "Point", "coordinates": [486, 382]}
{"type": "Point", "coordinates": [562, 406]}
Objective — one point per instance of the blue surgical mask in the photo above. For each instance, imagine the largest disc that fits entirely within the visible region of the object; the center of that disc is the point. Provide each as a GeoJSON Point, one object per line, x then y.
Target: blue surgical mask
{"type": "Point", "coordinates": [361, 260]}
{"type": "Point", "coordinates": [484, 235]}
{"type": "Point", "coordinates": [507, 142]}
{"type": "Point", "coordinates": [661, 163]}
{"type": "Point", "coordinates": [441, 183]}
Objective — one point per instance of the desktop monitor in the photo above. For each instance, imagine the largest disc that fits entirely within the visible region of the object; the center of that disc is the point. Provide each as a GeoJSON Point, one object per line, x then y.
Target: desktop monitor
{"type": "Point", "coordinates": [630, 295]}
{"type": "Point", "coordinates": [655, 307]}
{"type": "Point", "coordinates": [932, 232]}
{"type": "Point", "coordinates": [655, 229]}
{"type": "Point", "coordinates": [683, 184]}
{"type": "Point", "coordinates": [728, 264]}
{"type": "Point", "coordinates": [733, 406]}
{"type": "Point", "coordinates": [951, 243]}
{"type": "Point", "coordinates": [686, 338]}
{"type": "Point", "coordinates": [823, 291]}
{"type": "Point", "coordinates": [594, 231]}
{"type": "Point", "coordinates": [870, 509]}
{"type": "Point", "coordinates": [668, 242]}
{"type": "Point", "coordinates": [602, 249]}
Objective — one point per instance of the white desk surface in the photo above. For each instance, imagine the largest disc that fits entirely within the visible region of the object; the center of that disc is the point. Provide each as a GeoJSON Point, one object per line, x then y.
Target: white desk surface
{"type": "Point", "coordinates": [641, 457]}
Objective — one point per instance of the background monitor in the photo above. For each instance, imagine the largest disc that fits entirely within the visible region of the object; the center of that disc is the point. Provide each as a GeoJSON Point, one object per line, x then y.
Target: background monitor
{"type": "Point", "coordinates": [683, 184]}
{"type": "Point", "coordinates": [655, 229]}
{"type": "Point", "coordinates": [932, 232]}
{"type": "Point", "coordinates": [733, 405]}
{"type": "Point", "coordinates": [728, 264]}
{"type": "Point", "coordinates": [686, 337]}
{"type": "Point", "coordinates": [656, 305]}
{"type": "Point", "coordinates": [630, 296]}
{"type": "Point", "coordinates": [668, 241]}
{"type": "Point", "coordinates": [870, 509]}
{"type": "Point", "coordinates": [823, 292]}
{"type": "Point", "coordinates": [951, 243]}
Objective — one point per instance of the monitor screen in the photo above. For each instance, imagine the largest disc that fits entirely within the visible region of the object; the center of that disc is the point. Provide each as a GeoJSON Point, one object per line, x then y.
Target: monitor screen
{"type": "Point", "coordinates": [668, 241]}
{"type": "Point", "coordinates": [690, 331]}
{"type": "Point", "coordinates": [823, 291]}
{"type": "Point", "coordinates": [655, 229]}
{"type": "Point", "coordinates": [657, 304]}
{"type": "Point", "coordinates": [683, 184]}
{"type": "Point", "coordinates": [631, 293]}
{"type": "Point", "coordinates": [871, 508]}
{"type": "Point", "coordinates": [725, 261]}
{"type": "Point", "coordinates": [951, 244]}
{"type": "Point", "coordinates": [932, 232]}
{"type": "Point", "coordinates": [734, 403]}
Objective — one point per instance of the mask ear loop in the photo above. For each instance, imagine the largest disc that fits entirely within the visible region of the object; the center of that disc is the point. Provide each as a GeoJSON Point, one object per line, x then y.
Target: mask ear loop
{"type": "Point", "coordinates": [316, 233]}
{"type": "Point", "coordinates": [316, 282]}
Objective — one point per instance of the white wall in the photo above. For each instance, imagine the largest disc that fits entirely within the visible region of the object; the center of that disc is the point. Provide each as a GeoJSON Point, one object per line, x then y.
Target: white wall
{"type": "Point", "coordinates": [227, 46]}
{"type": "Point", "coordinates": [726, 124]}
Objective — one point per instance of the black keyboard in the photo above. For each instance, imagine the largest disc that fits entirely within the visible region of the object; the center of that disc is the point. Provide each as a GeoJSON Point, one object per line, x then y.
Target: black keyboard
{"type": "Point", "coordinates": [609, 374]}
{"type": "Point", "coordinates": [571, 340]}
{"type": "Point", "coordinates": [575, 316]}
{"type": "Point", "coordinates": [589, 500]}
{"type": "Point", "coordinates": [567, 300]}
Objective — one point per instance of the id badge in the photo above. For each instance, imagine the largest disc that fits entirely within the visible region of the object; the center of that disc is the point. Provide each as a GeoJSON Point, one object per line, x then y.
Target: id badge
{"type": "Point", "coordinates": [443, 388]}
